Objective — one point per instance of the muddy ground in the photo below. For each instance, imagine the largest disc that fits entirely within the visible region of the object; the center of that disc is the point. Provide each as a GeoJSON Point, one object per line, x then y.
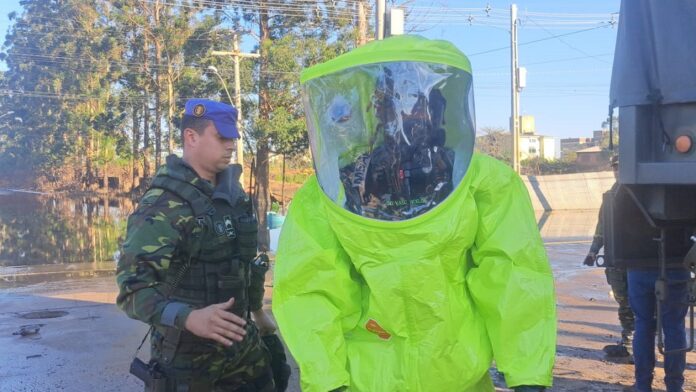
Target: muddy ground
{"type": "Point", "coordinates": [84, 343]}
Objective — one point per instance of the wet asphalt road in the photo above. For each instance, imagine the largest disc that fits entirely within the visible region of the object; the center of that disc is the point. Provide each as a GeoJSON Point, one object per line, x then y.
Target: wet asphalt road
{"type": "Point", "coordinates": [89, 346]}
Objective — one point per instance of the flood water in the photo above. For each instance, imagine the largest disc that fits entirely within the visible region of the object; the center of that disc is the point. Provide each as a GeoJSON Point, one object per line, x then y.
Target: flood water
{"type": "Point", "coordinates": [48, 234]}
{"type": "Point", "coordinates": [52, 237]}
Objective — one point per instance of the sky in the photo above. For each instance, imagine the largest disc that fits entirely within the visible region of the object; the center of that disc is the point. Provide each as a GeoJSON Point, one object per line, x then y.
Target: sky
{"type": "Point", "coordinates": [7, 6]}
{"type": "Point", "coordinates": [568, 76]}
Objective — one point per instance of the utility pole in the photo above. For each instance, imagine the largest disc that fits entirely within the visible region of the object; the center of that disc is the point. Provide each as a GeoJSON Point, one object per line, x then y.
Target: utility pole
{"type": "Point", "coordinates": [236, 56]}
{"type": "Point", "coordinates": [514, 76]}
{"type": "Point", "coordinates": [379, 16]}
{"type": "Point", "coordinates": [362, 23]}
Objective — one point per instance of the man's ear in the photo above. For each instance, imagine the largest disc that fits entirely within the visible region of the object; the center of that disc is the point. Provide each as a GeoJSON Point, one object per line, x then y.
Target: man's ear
{"type": "Point", "coordinates": [190, 136]}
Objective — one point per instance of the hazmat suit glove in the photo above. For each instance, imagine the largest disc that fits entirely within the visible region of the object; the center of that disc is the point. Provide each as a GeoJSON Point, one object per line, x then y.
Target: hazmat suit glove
{"type": "Point", "coordinates": [529, 388]}
{"type": "Point", "coordinates": [590, 259]}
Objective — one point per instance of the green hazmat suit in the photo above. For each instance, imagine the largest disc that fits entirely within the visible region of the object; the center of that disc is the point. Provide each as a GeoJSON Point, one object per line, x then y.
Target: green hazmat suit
{"type": "Point", "coordinates": [415, 303]}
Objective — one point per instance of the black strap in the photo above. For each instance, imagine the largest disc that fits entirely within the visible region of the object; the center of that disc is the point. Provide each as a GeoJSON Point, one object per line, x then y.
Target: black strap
{"type": "Point", "coordinates": [177, 280]}
{"type": "Point", "coordinates": [180, 274]}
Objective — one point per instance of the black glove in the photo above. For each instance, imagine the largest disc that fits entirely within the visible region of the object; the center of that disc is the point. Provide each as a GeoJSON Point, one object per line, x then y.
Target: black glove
{"type": "Point", "coordinates": [590, 259]}
{"type": "Point", "coordinates": [279, 361]}
{"type": "Point", "coordinates": [529, 388]}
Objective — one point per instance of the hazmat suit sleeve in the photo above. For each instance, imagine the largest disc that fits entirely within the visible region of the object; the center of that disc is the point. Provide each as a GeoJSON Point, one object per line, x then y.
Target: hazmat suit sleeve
{"type": "Point", "coordinates": [511, 282]}
{"type": "Point", "coordinates": [316, 290]}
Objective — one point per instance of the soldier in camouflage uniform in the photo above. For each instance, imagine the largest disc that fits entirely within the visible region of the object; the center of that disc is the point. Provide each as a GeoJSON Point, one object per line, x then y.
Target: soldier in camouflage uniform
{"type": "Point", "coordinates": [617, 279]}
{"type": "Point", "coordinates": [186, 266]}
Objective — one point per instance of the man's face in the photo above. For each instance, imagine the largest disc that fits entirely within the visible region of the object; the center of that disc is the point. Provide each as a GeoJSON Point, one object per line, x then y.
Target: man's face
{"type": "Point", "coordinates": [212, 151]}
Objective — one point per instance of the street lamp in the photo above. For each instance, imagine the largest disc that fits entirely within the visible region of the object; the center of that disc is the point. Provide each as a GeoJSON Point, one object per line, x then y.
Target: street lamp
{"type": "Point", "coordinates": [240, 146]}
{"type": "Point", "coordinates": [213, 69]}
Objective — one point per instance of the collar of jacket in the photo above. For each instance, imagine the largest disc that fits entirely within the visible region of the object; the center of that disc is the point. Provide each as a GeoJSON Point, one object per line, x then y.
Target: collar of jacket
{"type": "Point", "coordinates": [228, 188]}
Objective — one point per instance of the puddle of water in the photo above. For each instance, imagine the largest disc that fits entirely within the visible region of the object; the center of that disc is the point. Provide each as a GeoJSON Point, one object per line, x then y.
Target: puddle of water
{"type": "Point", "coordinates": [57, 230]}
{"type": "Point", "coordinates": [44, 314]}
{"type": "Point", "coordinates": [47, 238]}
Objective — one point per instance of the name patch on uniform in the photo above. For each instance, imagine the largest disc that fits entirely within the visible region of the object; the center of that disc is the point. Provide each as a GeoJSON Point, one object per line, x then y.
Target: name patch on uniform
{"type": "Point", "coordinates": [219, 228]}
{"type": "Point", "coordinates": [229, 226]}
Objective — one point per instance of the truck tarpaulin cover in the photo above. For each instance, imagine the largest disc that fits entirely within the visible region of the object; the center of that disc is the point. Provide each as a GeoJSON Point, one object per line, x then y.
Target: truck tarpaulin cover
{"type": "Point", "coordinates": [655, 56]}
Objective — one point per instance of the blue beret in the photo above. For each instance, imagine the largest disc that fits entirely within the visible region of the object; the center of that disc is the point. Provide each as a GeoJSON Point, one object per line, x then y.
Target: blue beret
{"type": "Point", "coordinates": [224, 116]}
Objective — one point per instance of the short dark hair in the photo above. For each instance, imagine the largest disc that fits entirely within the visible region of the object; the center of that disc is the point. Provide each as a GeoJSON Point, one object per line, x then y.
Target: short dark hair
{"type": "Point", "coordinates": [197, 124]}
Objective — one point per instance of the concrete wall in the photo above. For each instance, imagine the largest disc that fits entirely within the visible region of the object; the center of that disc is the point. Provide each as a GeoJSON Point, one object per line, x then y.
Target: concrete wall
{"type": "Point", "coordinates": [579, 191]}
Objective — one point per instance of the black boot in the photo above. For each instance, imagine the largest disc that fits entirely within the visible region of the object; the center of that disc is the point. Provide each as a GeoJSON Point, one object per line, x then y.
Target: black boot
{"type": "Point", "coordinates": [616, 351]}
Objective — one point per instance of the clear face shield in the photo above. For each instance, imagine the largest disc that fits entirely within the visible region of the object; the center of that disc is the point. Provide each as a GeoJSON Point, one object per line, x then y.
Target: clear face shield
{"type": "Point", "coordinates": [391, 140]}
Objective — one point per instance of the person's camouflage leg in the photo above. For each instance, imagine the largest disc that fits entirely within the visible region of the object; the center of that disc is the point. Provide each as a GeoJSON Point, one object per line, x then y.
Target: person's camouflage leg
{"type": "Point", "coordinates": [250, 370]}
{"type": "Point", "coordinates": [617, 279]}
{"type": "Point", "coordinates": [279, 361]}
{"type": "Point", "coordinates": [244, 367]}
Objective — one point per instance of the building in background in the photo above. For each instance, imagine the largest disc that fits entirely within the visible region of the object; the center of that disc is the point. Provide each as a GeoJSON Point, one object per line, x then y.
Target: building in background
{"type": "Point", "coordinates": [573, 144]}
{"type": "Point", "coordinates": [537, 146]}
{"type": "Point", "coordinates": [527, 125]}
{"type": "Point", "coordinates": [592, 158]}
{"type": "Point", "coordinates": [598, 136]}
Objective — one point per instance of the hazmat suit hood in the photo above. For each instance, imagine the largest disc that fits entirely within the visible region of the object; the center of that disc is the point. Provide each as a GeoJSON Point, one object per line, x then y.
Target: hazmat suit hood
{"type": "Point", "coordinates": [391, 125]}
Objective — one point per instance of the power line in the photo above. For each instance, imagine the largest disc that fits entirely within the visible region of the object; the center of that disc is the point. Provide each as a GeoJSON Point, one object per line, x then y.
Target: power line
{"type": "Point", "coordinates": [553, 61]}
{"type": "Point", "coordinates": [86, 36]}
{"type": "Point", "coordinates": [537, 40]}
{"type": "Point", "coordinates": [561, 71]}
{"type": "Point", "coordinates": [498, 18]}
{"type": "Point", "coordinates": [295, 8]}
{"type": "Point", "coordinates": [67, 60]}
{"type": "Point", "coordinates": [86, 97]}
{"type": "Point", "coordinates": [569, 45]}
{"type": "Point", "coordinates": [287, 9]}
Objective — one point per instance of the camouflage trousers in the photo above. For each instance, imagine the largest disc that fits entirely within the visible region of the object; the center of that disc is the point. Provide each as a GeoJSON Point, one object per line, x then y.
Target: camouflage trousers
{"type": "Point", "coordinates": [205, 366]}
{"type": "Point", "coordinates": [617, 279]}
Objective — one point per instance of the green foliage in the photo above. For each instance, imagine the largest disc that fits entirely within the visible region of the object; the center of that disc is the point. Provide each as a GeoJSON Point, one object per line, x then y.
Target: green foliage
{"type": "Point", "coordinates": [293, 177]}
{"type": "Point", "coordinates": [60, 58]}
{"type": "Point", "coordinates": [323, 31]}
{"type": "Point", "coordinates": [540, 166]}
{"type": "Point", "coordinates": [102, 83]}
{"type": "Point", "coordinates": [495, 142]}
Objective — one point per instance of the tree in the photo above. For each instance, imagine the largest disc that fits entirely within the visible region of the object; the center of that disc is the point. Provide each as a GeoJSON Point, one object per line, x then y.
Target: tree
{"type": "Point", "coordinates": [287, 41]}
{"type": "Point", "coordinates": [168, 45]}
{"type": "Point", "coordinates": [539, 166]}
{"type": "Point", "coordinates": [496, 142]}
{"type": "Point", "coordinates": [614, 131]}
{"type": "Point", "coordinates": [59, 56]}
{"type": "Point", "coordinates": [102, 83]}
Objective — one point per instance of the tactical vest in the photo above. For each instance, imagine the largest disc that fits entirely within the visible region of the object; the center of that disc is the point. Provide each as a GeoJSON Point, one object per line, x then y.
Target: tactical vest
{"type": "Point", "coordinates": [220, 249]}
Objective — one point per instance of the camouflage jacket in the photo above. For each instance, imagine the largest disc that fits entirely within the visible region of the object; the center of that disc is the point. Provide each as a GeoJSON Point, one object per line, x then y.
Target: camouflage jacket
{"type": "Point", "coordinates": [160, 235]}
{"type": "Point", "coordinates": [598, 239]}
